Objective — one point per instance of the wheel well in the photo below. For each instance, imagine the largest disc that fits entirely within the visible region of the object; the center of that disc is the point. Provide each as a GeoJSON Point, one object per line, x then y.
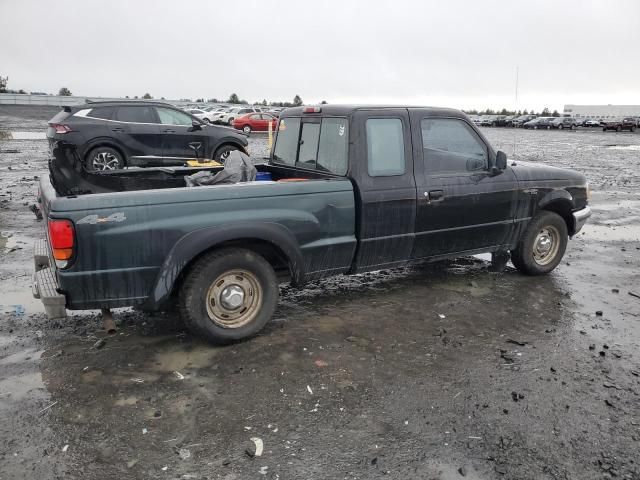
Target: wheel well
{"type": "Point", "coordinates": [271, 253]}
{"type": "Point", "coordinates": [110, 145]}
{"type": "Point", "coordinates": [562, 208]}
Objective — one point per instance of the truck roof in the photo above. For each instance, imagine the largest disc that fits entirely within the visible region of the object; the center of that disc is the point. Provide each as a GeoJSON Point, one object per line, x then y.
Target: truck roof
{"type": "Point", "coordinates": [350, 109]}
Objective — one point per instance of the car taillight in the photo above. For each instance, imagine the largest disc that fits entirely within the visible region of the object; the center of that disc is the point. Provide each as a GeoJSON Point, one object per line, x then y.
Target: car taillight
{"type": "Point", "coordinates": [62, 238]}
{"type": "Point", "coordinates": [60, 128]}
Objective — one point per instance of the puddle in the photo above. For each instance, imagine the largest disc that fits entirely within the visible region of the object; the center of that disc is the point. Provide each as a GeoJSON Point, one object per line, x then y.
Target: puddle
{"type": "Point", "coordinates": [605, 233]}
{"type": "Point", "coordinates": [624, 147]}
{"type": "Point", "coordinates": [6, 135]}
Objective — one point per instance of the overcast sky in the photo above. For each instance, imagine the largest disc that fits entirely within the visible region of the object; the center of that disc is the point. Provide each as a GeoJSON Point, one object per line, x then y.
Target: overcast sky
{"type": "Point", "coordinates": [461, 54]}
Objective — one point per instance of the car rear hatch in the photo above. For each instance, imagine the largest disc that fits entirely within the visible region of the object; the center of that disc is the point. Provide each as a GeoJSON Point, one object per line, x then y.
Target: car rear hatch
{"type": "Point", "coordinates": [56, 126]}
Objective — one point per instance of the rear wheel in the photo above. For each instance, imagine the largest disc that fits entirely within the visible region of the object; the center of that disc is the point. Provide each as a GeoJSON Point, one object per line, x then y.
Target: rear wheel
{"type": "Point", "coordinates": [542, 245]}
{"type": "Point", "coordinates": [206, 120]}
{"type": "Point", "coordinates": [618, 128]}
{"type": "Point", "coordinates": [223, 152]}
{"type": "Point", "coordinates": [104, 158]}
{"type": "Point", "coordinates": [246, 129]}
{"type": "Point", "coordinates": [229, 295]}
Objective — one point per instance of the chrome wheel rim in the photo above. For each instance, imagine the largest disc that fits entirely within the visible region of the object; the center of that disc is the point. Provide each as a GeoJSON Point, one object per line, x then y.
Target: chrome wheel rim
{"type": "Point", "coordinates": [105, 161]}
{"type": "Point", "coordinates": [234, 299]}
{"type": "Point", "coordinates": [546, 245]}
{"type": "Point", "coordinates": [246, 130]}
{"type": "Point", "coordinates": [225, 155]}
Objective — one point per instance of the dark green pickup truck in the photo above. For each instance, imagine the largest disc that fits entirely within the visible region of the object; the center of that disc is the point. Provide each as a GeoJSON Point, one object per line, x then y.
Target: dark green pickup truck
{"type": "Point", "coordinates": [353, 189]}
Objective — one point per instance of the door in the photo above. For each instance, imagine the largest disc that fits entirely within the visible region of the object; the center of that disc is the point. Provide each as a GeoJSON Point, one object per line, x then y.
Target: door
{"type": "Point", "coordinates": [136, 128]}
{"type": "Point", "coordinates": [256, 123]}
{"type": "Point", "coordinates": [382, 161]}
{"type": "Point", "coordinates": [462, 205]}
{"type": "Point", "coordinates": [179, 141]}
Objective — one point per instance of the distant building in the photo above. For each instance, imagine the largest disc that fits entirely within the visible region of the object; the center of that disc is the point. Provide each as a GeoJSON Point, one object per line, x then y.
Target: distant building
{"type": "Point", "coordinates": [602, 111]}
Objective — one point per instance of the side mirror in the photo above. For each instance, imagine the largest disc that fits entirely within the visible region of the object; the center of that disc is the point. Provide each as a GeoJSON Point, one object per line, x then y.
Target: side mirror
{"type": "Point", "coordinates": [195, 126]}
{"type": "Point", "coordinates": [501, 160]}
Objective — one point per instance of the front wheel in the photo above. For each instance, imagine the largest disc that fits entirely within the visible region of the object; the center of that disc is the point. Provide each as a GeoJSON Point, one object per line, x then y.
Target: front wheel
{"type": "Point", "coordinates": [229, 295]}
{"type": "Point", "coordinates": [542, 245]}
{"type": "Point", "coordinates": [560, 127]}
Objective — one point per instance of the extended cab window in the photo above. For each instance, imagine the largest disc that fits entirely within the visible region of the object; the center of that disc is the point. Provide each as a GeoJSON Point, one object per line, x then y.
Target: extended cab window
{"type": "Point", "coordinates": [136, 115]}
{"type": "Point", "coordinates": [385, 147]}
{"type": "Point", "coordinates": [319, 146]}
{"type": "Point", "coordinates": [451, 146]}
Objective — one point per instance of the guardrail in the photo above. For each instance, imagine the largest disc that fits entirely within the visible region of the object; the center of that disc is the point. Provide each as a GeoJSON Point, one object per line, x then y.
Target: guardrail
{"type": "Point", "coordinates": [59, 100]}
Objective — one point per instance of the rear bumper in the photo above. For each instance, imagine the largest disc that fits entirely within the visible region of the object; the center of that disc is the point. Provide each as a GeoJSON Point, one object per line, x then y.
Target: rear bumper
{"type": "Point", "coordinates": [580, 217]}
{"type": "Point", "coordinates": [45, 284]}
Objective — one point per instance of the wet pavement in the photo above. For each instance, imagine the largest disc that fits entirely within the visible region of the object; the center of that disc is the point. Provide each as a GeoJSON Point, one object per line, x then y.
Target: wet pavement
{"type": "Point", "coordinates": [438, 371]}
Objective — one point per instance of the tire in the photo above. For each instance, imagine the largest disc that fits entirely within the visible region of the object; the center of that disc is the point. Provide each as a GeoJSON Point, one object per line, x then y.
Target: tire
{"type": "Point", "coordinates": [531, 255]}
{"type": "Point", "coordinates": [222, 153]}
{"type": "Point", "coordinates": [604, 129]}
{"type": "Point", "coordinates": [618, 128]}
{"type": "Point", "coordinates": [560, 127]}
{"type": "Point", "coordinates": [535, 127]}
{"type": "Point", "coordinates": [246, 129]}
{"type": "Point", "coordinates": [206, 120]}
{"type": "Point", "coordinates": [548, 127]}
{"type": "Point", "coordinates": [202, 294]}
{"type": "Point", "coordinates": [573, 127]}
{"type": "Point", "coordinates": [633, 129]}
{"type": "Point", "coordinates": [103, 158]}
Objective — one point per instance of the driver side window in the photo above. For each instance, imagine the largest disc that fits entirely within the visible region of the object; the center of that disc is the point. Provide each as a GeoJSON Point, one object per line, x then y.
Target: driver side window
{"type": "Point", "coordinates": [173, 117]}
{"type": "Point", "coordinates": [451, 146]}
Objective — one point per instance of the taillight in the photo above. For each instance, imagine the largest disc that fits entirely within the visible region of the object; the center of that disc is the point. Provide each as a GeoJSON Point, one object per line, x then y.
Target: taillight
{"type": "Point", "coordinates": [62, 239]}
{"type": "Point", "coordinates": [60, 128]}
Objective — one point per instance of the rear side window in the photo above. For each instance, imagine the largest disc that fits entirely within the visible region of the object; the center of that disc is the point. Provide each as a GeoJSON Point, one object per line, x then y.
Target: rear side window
{"type": "Point", "coordinates": [309, 144]}
{"type": "Point", "coordinates": [136, 115]}
{"type": "Point", "coordinates": [385, 147]}
{"type": "Point", "coordinates": [104, 113]}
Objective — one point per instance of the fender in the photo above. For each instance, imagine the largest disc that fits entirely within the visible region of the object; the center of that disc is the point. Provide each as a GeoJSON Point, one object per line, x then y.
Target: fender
{"type": "Point", "coordinates": [102, 141]}
{"type": "Point", "coordinates": [557, 196]}
{"type": "Point", "coordinates": [194, 243]}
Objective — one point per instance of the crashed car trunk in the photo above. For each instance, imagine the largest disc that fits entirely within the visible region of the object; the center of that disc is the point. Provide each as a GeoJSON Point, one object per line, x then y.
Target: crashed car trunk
{"type": "Point", "coordinates": [69, 176]}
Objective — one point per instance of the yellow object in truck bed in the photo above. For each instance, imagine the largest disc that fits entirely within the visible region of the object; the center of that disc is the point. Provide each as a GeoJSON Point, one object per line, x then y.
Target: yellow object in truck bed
{"type": "Point", "coordinates": [206, 163]}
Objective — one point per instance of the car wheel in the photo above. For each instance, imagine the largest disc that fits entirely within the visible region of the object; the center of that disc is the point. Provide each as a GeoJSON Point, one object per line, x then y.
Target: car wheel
{"type": "Point", "coordinates": [223, 152]}
{"type": "Point", "coordinates": [618, 128]}
{"type": "Point", "coordinates": [103, 158]}
{"type": "Point", "coordinates": [633, 129]}
{"type": "Point", "coordinates": [542, 245]}
{"type": "Point", "coordinates": [548, 127]}
{"type": "Point", "coordinates": [206, 120]}
{"type": "Point", "coordinates": [230, 121]}
{"type": "Point", "coordinates": [535, 127]}
{"type": "Point", "coordinates": [560, 127]}
{"type": "Point", "coordinates": [228, 295]}
{"type": "Point", "coordinates": [246, 129]}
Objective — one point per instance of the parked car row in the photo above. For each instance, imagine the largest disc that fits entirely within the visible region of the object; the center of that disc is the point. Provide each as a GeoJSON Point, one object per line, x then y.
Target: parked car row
{"type": "Point", "coordinates": [559, 123]}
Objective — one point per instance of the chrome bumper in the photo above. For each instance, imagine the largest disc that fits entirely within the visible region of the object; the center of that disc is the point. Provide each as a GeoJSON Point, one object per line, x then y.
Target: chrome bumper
{"type": "Point", "coordinates": [580, 217]}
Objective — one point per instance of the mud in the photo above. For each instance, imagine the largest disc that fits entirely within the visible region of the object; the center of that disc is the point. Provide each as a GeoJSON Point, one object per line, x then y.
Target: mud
{"type": "Point", "coordinates": [423, 372]}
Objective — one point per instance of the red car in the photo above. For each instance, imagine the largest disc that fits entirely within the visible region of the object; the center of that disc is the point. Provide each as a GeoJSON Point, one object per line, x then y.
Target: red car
{"type": "Point", "coordinates": [258, 122]}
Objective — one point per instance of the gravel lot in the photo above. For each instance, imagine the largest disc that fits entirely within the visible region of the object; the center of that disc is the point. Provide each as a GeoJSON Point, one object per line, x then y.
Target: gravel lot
{"type": "Point", "coordinates": [438, 371]}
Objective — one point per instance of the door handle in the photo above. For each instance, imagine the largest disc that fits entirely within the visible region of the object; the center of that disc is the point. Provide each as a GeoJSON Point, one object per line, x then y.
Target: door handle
{"type": "Point", "coordinates": [117, 129]}
{"type": "Point", "coordinates": [168, 130]}
{"type": "Point", "coordinates": [434, 196]}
